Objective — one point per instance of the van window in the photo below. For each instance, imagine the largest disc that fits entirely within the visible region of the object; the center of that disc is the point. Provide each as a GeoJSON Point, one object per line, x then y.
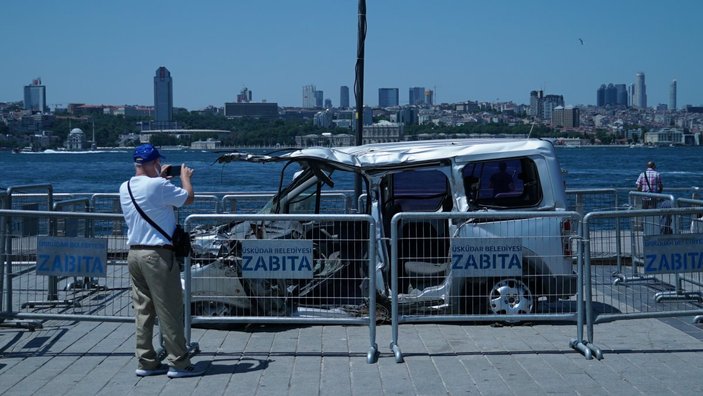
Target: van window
{"type": "Point", "coordinates": [508, 182]}
{"type": "Point", "coordinates": [420, 191]}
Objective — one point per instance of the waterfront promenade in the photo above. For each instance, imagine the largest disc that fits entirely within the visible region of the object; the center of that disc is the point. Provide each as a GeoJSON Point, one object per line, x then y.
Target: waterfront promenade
{"type": "Point", "coordinates": [645, 356]}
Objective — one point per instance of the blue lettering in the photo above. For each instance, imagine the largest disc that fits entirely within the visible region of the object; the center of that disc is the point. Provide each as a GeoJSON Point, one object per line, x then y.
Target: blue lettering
{"type": "Point", "coordinates": [664, 264]}
{"type": "Point", "coordinates": [484, 259]}
{"type": "Point", "coordinates": [676, 261]}
{"type": "Point", "coordinates": [650, 263]}
{"type": "Point", "coordinates": [456, 259]}
{"type": "Point", "coordinates": [56, 266]}
{"type": "Point", "coordinates": [305, 264]}
{"type": "Point", "coordinates": [260, 263]}
{"type": "Point", "coordinates": [514, 262]}
{"type": "Point", "coordinates": [44, 264]}
{"type": "Point", "coordinates": [247, 261]}
{"type": "Point", "coordinates": [98, 266]}
{"type": "Point", "coordinates": [275, 264]}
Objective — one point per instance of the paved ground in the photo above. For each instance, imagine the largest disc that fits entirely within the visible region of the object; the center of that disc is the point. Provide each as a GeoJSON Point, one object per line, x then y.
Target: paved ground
{"type": "Point", "coordinates": [645, 356]}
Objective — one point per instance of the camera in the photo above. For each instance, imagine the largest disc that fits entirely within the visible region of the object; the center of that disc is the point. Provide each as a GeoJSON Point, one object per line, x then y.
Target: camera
{"type": "Point", "coordinates": [173, 170]}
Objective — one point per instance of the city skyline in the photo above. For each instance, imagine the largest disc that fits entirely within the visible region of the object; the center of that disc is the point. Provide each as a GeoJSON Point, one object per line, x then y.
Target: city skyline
{"type": "Point", "coordinates": [86, 53]}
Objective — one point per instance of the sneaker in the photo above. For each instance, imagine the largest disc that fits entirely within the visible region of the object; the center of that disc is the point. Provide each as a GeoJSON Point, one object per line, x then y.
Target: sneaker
{"type": "Point", "coordinates": [190, 371]}
{"type": "Point", "coordinates": [161, 369]}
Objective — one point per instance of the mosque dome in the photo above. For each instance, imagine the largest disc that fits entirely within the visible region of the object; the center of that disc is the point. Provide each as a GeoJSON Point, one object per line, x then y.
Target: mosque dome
{"type": "Point", "coordinates": [75, 131]}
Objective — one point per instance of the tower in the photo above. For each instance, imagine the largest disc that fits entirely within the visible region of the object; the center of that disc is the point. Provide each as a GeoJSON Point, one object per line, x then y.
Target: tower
{"type": "Point", "coordinates": [309, 96]}
{"type": "Point", "coordinates": [640, 92]}
{"type": "Point", "coordinates": [163, 98]}
{"type": "Point", "coordinates": [344, 97]}
{"type": "Point", "coordinates": [35, 97]}
{"type": "Point", "coordinates": [672, 96]}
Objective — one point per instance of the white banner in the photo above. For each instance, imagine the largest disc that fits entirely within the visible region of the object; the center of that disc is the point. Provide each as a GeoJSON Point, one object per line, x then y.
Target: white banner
{"type": "Point", "coordinates": [667, 254]}
{"type": "Point", "coordinates": [59, 256]}
{"type": "Point", "coordinates": [483, 257]}
{"type": "Point", "coordinates": [277, 259]}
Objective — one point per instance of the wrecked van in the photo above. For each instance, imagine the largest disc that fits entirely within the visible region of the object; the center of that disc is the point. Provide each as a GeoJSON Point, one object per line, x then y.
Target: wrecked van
{"type": "Point", "coordinates": [463, 175]}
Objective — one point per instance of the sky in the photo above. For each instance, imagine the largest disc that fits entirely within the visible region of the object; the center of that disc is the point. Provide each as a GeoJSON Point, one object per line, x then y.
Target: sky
{"type": "Point", "coordinates": [107, 52]}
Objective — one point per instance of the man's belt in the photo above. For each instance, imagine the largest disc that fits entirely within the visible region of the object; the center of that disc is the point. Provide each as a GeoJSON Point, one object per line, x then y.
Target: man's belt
{"type": "Point", "coordinates": [150, 247]}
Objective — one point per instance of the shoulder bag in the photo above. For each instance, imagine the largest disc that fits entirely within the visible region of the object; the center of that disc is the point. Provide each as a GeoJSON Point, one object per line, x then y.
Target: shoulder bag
{"type": "Point", "coordinates": [180, 239]}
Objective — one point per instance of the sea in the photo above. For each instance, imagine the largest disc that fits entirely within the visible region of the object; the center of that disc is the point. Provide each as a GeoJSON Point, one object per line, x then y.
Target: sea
{"type": "Point", "coordinates": [103, 170]}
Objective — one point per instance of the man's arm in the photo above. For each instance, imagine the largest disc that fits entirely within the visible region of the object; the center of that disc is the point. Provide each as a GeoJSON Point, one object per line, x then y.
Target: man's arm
{"type": "Point", "coordinates": [186, 174]}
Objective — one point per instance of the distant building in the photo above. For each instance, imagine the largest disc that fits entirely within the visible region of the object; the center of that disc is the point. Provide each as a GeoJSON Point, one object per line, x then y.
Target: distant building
{"type": "Point", "coordinates": [383, 132]}
{"type": "Point", "coordinates": [323, 119]}
{"type": "Point", "coordinates": [672, 96]}
{"type": "Point", "coordinates": [309, 96]}
{"type": "Point", "coordinates": [566, 117]}
{"type": "Point", "coordinates": [665, 137]}
{"type": "Point", "coordinates": [639, 93]}
{"type": "Point", "coordinates": [267, 111]}
{"type": "Point", "coordinates": [429, 99]}
{"type": "Point", "coordinates": [75, 140]}
{"type": "Point", "coordinates": [542, 106]}
{"type": "Point", "coordinates": [319, 99]}
{"type": "Point", "coordinates": [344, 97]}
{"type": "Point", "coordinates": [388, 97]}
{"type": "Point", "coordinates": [163, 99]}
{"type": "Point", "coordinates": [35, 97]}
{"type": "Point", "coordinates": [611, 95]}
{"type": "Point", "coordinates": [621, 95]}
{"type": "Point", "coordinates": [244, 96]}
{"type": "Point", "coordinates": [416, 96]}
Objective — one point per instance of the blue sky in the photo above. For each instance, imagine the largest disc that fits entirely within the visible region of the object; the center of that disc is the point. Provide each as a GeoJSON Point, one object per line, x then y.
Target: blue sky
{"type": "Point", "coordinates": [106, 52]}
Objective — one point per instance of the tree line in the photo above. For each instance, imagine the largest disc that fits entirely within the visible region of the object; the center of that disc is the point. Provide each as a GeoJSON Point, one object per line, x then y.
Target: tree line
{"type": "Point", "coordinates": [111, 129]}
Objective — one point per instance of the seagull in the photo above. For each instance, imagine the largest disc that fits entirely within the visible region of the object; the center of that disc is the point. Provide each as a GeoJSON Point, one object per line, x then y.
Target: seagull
{"type": "Point", "coordinates": [581, 41]}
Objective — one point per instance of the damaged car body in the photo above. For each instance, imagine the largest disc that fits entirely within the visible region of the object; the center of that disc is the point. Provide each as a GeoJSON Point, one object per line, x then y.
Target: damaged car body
{"type": "Point", "coordinates": [417, 176]}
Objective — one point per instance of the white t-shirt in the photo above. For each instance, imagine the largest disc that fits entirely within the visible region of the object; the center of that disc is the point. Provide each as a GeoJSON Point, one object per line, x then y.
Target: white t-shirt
{"type": "Point", "coordinates": [157, 197]}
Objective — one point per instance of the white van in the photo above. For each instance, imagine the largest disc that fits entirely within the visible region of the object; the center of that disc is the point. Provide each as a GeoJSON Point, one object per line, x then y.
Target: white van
{"type": "Point", "coordinates": [463, 175]}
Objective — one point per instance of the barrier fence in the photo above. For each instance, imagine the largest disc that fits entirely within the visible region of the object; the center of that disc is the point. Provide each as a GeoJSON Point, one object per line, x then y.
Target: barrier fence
{"type": "Point", "coordinates": [662, 253]}
{"type": "Point", "coordinates": [34, 288]}
{"type": "Point", "coordinates": [310, 269]}
{"type": "Point", "coordinates": [483, 266]}
{"type": "Point", "coordinates": [422, 273]}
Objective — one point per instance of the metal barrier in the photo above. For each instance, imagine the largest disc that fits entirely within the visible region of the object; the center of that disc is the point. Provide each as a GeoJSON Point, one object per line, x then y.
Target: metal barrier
{"type": "Point", "coordinates": [244, 203]}
{"type": "Point", "coordinates": [483, 266]}
{"type": "Point", "coordinates": [663, 256]}
{"type": "Point", "coordinates": [28, 295]}
{"type": "Point", "coordinates": [311, 269]}
{"type": "Point", "coordinates": [590, 200]}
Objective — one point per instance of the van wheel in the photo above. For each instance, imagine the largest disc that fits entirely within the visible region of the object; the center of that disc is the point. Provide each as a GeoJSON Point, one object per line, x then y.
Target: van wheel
{"type": "Point", "coordinates": [510, 297]}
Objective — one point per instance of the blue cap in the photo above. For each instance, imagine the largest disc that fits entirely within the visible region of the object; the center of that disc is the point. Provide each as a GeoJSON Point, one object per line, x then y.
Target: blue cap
{"type": "Point", "coordinates": [146, 153]}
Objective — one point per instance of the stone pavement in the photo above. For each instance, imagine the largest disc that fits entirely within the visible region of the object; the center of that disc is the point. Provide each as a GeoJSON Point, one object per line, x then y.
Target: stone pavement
{"type": "Point", "coordinates": [643, 356]}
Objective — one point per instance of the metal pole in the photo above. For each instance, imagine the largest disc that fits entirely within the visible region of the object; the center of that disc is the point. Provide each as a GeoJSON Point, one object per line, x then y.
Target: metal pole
{"type": "Point", "coordinates": [359, 89]}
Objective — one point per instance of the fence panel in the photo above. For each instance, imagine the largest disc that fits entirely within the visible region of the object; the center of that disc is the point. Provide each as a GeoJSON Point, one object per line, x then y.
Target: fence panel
{"type": "Point", "coordinates": [590, 200]}
{"type": "Point", "coordinates": [658, 249]}
{"type": "Point", "coordinates": [28, 295]}
{"type": "Point", "coordinates": [282, 269]}
{"type": "Point", "coordinates": [483, 266]}
{"type": "Point", "coordinates": [244, 203]}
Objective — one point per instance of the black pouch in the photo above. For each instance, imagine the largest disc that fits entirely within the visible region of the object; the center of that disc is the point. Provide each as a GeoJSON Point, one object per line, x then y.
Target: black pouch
{"type": "Point", "coordinates": [181, 242]}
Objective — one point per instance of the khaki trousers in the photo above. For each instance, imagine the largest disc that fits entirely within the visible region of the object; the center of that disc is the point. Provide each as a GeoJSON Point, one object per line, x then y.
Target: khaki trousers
{"type": "Point", "coordinates": [156, 292]}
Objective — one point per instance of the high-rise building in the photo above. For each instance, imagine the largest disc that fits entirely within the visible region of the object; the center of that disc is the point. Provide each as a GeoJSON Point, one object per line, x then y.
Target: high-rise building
{"type": "Point", "coordinates": [344, 97]}
{"type": "Point", "coordinates": [388, 97]}
{"type": "Point", "coordinates": [309, 96]}
{"type": "Point", "coordinates": [244, 96]}
{"type": "Point", "coordinates": [672, 96]}
{"type": "Point", "coordinates": [611, 95]}
{"type": "Point", "coordinates": [35, 97]}
{"type": "Point", "coordinates": [640, 92]}
{"type": "Point", "coordinates": [416, 96]}
{"type": "Point", "coordinates": [429, 97]}
{"type": "Point", "coordinates": [567, 117]}
{"type": "Point", "coordinates": [163, 98]}
{"type": "Point", "coordinates": [319, 96]}
{"type": "Point", "coordinates": [621, 95]}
